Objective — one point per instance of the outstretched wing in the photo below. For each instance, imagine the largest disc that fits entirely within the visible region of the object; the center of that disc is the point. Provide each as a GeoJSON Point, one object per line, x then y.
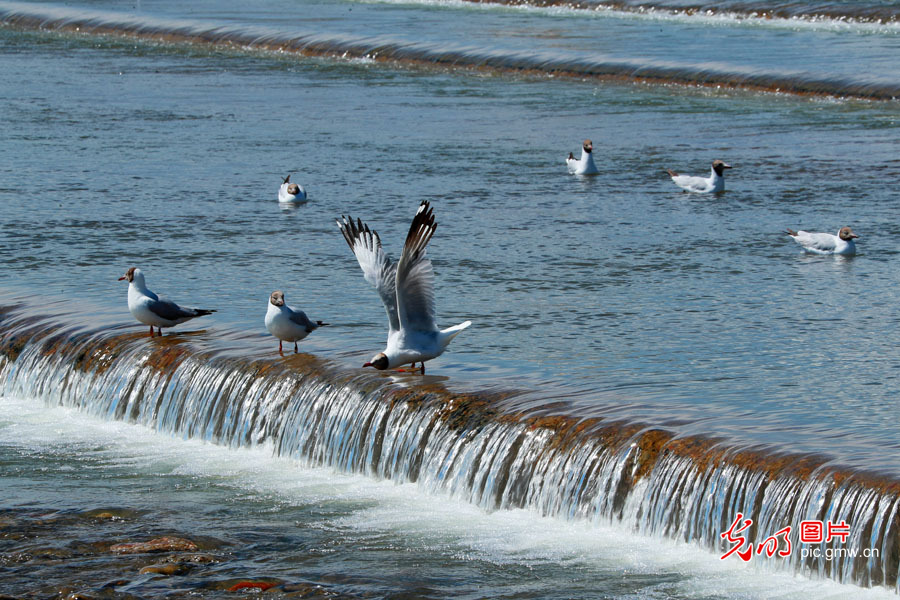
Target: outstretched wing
{"type": "Point", "coordinates": [415, 275]}
{"type": "Point", "coordinates": [376, 266]}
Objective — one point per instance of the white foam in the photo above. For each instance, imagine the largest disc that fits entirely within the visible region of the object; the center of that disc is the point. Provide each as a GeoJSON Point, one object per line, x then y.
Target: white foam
{"type": "Point", "coordinates": [405, 512]}
{"type": "Point", "coordinates": [719, 18]}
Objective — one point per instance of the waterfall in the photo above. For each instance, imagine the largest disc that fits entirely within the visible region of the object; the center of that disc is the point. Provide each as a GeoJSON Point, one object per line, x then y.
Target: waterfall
{"type": "Point", "coordinates": [464, 445]}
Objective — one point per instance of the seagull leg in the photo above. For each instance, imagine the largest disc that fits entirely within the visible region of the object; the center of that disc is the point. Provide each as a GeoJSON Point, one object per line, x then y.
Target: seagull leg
{"type": "Point", "coordinates": [423, 367]}
{"type": "Point", "coordinates": [295, 347]}
{"type": "Point", "coordinates": [151, 331]}
{"type": "Point", "coordinates": [280, 351]}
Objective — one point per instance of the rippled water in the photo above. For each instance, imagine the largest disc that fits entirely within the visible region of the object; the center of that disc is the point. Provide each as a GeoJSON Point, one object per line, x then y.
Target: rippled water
{"type": "Point", "coordinates": [616, 295]}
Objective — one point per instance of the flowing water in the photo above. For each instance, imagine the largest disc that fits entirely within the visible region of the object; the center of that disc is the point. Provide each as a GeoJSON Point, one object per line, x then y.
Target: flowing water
{"type": "Point", "coordinates": [643, 364]}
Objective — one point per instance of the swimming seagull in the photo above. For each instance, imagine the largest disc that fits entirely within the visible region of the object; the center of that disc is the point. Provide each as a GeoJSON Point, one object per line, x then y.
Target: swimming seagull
{"type": "Point", "coordinates": [585, 165]}
{"type": "Point", "coordinates": [286, 323]}
{"type": "Point", "coordinates": [826, 243]}
{"type": "Point", "coordinates": [702, 185]}
{"type": "Point", "coordinates": [150, 309]}
{"type": "Point", "coordinates": [291, 192]}
{"type": "Point", "coordinates": [406, 289]}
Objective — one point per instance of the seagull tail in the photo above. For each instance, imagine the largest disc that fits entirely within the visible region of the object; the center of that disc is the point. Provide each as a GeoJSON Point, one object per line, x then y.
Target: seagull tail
{"type": "Point", "coordinates": [451, 332]}
{"type": "Point", "coordinates": [202, 312]}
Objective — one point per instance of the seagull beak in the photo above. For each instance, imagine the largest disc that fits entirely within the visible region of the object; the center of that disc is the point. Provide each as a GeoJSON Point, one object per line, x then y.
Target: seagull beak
{"type": "Point", "coordinates": [726, 166]}
{"type": "Point", "coordinates": [121, 278]}
{"type": "Point", "coordinates": [368, 365]}
{"type": "Point", "coordinates": [853, 235]}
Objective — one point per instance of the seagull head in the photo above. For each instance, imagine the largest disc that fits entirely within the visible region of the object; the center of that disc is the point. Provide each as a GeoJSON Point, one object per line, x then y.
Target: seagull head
{"type": "Point", "coordinates": [277, 298]}
{"type": "Point", "coordinates": [293, 189]}
{"type": "Point", "coordinates": [719, 166]}
{"type": "Point", "coordinates": [134, 272]}
{"type": "Point", "coordinates": [846, 234]}
{"type": "Point", "coordinates": [379, 361]}
{"type": "Point", "coordinates": [588, 146]}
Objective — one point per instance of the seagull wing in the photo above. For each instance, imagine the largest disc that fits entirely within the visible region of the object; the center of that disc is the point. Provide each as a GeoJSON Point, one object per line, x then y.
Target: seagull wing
{"type": "Point", "coordinates": [376, 266]}
{"type": "Point", "coordinates": [298, 317]}
{"type": "Point", "coordinates": [166, 309]}
{"type": "Point", "coordinates": [415, 275]}
{"type": "Point", "coordinates": [817, 242]}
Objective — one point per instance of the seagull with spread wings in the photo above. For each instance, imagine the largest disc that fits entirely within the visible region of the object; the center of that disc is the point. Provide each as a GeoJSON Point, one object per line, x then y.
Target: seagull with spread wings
{"type": "Point", "coordinates": [406, 289]}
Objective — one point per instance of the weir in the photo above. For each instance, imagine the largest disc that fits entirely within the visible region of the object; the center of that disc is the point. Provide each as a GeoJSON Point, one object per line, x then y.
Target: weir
{"type": "Point", "coordinates": [467, 445]}
{"type": "Point", "coordinates": [394, 50]}
{"type": "Point", "coordinates": [877, 14]}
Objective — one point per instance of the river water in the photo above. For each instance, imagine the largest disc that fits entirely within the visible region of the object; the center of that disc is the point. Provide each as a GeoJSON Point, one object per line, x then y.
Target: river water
{"type": "Point", "coordinates": [613, 297]}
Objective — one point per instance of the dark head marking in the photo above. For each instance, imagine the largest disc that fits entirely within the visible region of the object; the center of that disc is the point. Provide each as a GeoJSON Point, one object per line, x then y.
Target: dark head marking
{"type": "Point", "coordinates": [588, 146]}
{"type": "Point", "coordinates": [129, 275]}
{"type": "Point", "coordinates": [719, 166]}
{"type": "Point", "coordinates": [846, 234]}
{"type": "Point", "coordinates": [380, 362]}
{"type": "Point", "coordinates": [293, 189]}
{"type": "Point", "coordinates": [277, 298]}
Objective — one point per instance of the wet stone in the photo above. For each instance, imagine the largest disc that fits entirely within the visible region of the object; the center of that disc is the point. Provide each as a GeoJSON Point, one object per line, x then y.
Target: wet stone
{"type": "Point", "coordinates": [168, 569]}
{"type": "Point", "coordinates": [162, 544]}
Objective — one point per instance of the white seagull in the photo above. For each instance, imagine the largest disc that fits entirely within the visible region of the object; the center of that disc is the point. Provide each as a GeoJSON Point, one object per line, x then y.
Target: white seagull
{"type": "Point", "coordinates": [826, 243]}
{"type": "Point", "coordinates": [291, 192]}
{"type": "Point", "coordinates": [702, 185]}
{"type": "Point", "coordinates": [286, 323]}
{"type": "Point", "coordinates": [585, 165]}
{"type": "Point", "coordinates": [406, 289]}
{"type": "Point", "coordinates": [150, 309]}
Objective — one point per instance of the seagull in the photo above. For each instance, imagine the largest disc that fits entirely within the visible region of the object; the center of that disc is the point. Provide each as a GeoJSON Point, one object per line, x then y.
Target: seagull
{"type": "Point", "coordinates": [585, 165]}
{"type": "Point", "coordinates": [406, 289]}
{"type": "Point", "coordinates": [286, 323]}
{"type": "Point", "coordinates": [150, 309]}
{"type": "Point", "coordinates": [291, 192]}
{"type": "Point", "coordinates": [702, 185]}
{"type": "Point", "coordinates": [826, 243]}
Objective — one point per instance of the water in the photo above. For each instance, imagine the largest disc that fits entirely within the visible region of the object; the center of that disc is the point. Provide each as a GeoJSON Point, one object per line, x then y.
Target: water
{"type": "Point", "coordinates": [616, 297]}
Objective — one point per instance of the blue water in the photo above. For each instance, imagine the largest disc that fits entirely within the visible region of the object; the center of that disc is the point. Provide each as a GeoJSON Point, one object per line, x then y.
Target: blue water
{"type": "Point", "coordinates": [614, 296]}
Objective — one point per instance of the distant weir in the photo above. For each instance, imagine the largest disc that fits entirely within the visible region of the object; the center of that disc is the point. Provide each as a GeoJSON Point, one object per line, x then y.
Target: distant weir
{"type": "Point", "coordinates": [398, 51]}
{"type": "Point", "coordinates": [632, 475]}
{"type": "Point", "coordinates": [847, 12]}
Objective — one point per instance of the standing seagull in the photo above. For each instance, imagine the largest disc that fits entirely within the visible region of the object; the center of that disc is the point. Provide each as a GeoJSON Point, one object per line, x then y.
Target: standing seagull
{"type": "Point", "coordinates": [715, 183]}
{"type": "Point", "coordinates": [150, 309]}
{"type": "Point", "coordinates": [291, 192]}
{"type": "Point", "coordinates": [286, 323]}
{"type": "Point", "coordinates": [826, 243]}
{"type": "Point", "coordinates": [406, 289]}
{"type": "Point", "coordinates": [585, 165]}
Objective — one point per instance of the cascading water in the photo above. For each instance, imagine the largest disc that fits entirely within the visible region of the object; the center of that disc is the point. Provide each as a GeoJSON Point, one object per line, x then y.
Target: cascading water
{"type": "Point", "coordinates": [465, 445]}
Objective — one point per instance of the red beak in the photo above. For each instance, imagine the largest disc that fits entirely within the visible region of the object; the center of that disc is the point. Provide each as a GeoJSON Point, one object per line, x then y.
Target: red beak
{"type": "Point", "coordinates": [368, 365]}
{"type": "Point", "coordinates": [121, 278]}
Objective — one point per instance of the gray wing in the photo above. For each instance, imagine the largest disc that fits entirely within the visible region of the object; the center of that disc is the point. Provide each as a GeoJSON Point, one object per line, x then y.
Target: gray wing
{"type": "Point", "coordinates": [819, 242]}
{"type": "Point", "coordinates": [415, 275]}
{"type": "Point", "coordinates": [376, 266]}
{"type": "Point", "coordinates": [299, 317]}
{"type": "Point", "coordinates": [166, 309]}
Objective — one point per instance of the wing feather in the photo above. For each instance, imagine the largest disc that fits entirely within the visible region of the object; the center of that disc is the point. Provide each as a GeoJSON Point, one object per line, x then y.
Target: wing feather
{"type": "Point", "coordinates": [415, 275]}
{"type": "Point", "coordinates": [166, 309]}
{"type": "Point", "coordinates": [376, 266]}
